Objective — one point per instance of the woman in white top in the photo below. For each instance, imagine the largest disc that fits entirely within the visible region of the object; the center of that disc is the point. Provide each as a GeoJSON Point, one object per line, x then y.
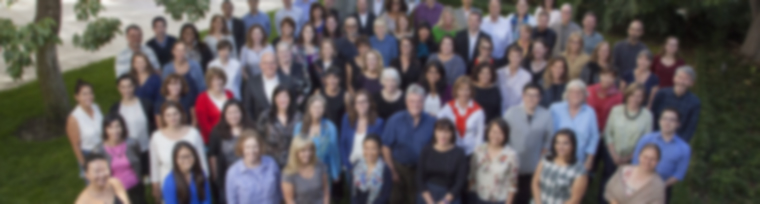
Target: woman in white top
{"type": "Point", "coordinates": [435, 86]}
{"type": "Point", "coordinates": [137, 114]}
{"type": "Point", "coordinates": [255, 46]}
{"type": "Point", "coordinates": [162, 143]}
{"type": "Point", "coordinates": [218, 32]}
{"type": "Point", "coordinates": [466, 114]}
{"type": "Point", "coordinates": [83, 125]}
{"type": "Point", "coordinates": [554, 14]}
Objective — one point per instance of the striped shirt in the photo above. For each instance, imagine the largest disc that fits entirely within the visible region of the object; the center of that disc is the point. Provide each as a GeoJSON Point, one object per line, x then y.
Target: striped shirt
{"type": "Point", "coordinates": [557, 181]}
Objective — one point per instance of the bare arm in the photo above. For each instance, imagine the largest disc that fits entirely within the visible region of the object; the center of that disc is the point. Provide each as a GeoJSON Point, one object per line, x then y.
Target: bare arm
{"type": "Point", "coordinates": [651, 96]}
{"type": "Point", "coordinates": [287, 193]}
{"type": "Point", "coordinates": [72, 130]}
{"type": "Point", "coordinates": [389, 161]}
{"type": "Point", "coordinates": [589, 162]}
{"type": "Point", "coordinates": [671, 181]}
{"type": "Point", "coordinates": [119, 190]}
{"type": "Point", "coordinates": [214, 171]}
{"type": "Point", "coordinates": [326, 187]}
{"type": "Point", "coordinates": [534, 184]}
{"type": "Point", "coordinates": [577, 190]}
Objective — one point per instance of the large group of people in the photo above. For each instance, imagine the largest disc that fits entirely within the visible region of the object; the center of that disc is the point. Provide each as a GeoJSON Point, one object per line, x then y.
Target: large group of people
{"type": "Point", "coordinates": [388, 101]}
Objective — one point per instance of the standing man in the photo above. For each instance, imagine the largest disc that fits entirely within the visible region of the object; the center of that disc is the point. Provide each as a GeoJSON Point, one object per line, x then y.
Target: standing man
{"type": "Point", "coordinates": [289, 11]}
{"type": "Point", "coordinates": [256, 17]}
{"type": "Point", "coordinates": [428, 12]}
{"type": "Point", "coordinates": [134, 43]}
{"type": "Point", "coordinates": [564, 28]}
{"type": "Point", "coordinates": [591, 38]}
{"type": "Point", "coordinates": [498, 28]}
{"type": "Point", "coordinates": [681, 99]}
{"type": "Point", "coordinates": [346, 45]}
{"type": "Point", "coordinates": [406, 133]}
{"type": "Point", "coordinates": [542, 31]}
{"type": "Point", "coordinates": [625, 52]}
{"type": "Point", "coordinates": [466, 41]}
{"type": "Point", "coordinates": [234, 24]}
{"type": "Point", "coordinates": [462, 14]}
{"type": "Point", "coordinates": [257, 90]}
{"type": "Point", "coordinates": [365, 18]}
{"type": "Point", "coordinates": [161, 43]}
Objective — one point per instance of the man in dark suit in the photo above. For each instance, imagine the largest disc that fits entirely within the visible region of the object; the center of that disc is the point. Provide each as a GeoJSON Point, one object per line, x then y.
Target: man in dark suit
{"type": "Point", "coordinates": [162, 42]}
{"type": "Point", "coordinates": [466, 41]}
{"type": "Point", "coordinates": [235, 25]}
{"type": "Point", "coordinates": [364, 18]}
{"type": "Point", "coordinates": [257, 90]}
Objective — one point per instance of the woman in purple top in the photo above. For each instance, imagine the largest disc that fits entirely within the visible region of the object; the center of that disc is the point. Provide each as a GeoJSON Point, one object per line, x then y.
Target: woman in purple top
{"type": "Point", "coordinates": [428, 12]}
{"type": "Point", "coordinates": [123, 156]}
{"type": "Point", "coordinates": [254, 178]}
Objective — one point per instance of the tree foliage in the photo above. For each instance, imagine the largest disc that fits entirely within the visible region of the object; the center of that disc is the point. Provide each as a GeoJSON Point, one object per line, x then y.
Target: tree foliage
{"type": "Point", "coordinates": [18, 43]}
{"type": "Point", "coordinates": [193, 10]}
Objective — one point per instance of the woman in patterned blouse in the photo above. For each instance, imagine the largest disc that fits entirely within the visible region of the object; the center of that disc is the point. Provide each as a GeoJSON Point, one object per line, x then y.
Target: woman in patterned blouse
{"type": "Point", "coordinates": [494, 166]}
{"type": "Point", "coordinates": [560, 178]}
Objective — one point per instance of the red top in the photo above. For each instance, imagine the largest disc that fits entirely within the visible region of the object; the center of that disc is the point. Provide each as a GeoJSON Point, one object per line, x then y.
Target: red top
{"type": "Point", "coordinates": [665, 73]}
{"type": "Point", "coordinates": [461, 119]}
{"type": "Point", "coordinates": [603, 106]}
{"type": "Point", "coordinates": [207, 114]}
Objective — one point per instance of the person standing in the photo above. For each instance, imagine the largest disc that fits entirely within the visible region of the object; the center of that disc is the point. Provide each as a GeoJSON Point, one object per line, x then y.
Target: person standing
{"type": "Point", "coordinates": [434, 83]}
{"type": "Point", "coordinates": [467, 114]}
{"type": "Point", "coordinates": [498, 29]}
{"type": "Point", "coordinates": [553, 15]}
{"type": "Point", "coordinates": [565, 28]}
{"type": "Point", "coordinates": [575, 114]}
{"type": "Point", "coordinates": [591, 38]}
{"type": "Point", "coordinates": [162, 43]}
{"type": "Point", "coordinates": [530, 135]}
{"type": "Point", "coordinates": [467, 40]}
{"type": "Point", "coordinates": [446, 26]}
{"type": "Point", "coordinates": [197, 50]}
{"type": "Point", "coordinates": [554, 81]}
{"type": "Point", "coordinates": [462, 14]}
{"type": "Point", "coordinates": [358, 124]}
{"type": "Point", "coordinates": [370, 73]}
{"type": "Point", "coordinates": [519, 18]}
{"type": "Point", "coordinates": [175, 89]}
{"type": "Point", "coordinates": [573, 53]}
{"type": "Point", "coordinates": [234, 24]}
{"type": "Point", "coordinates": [664, 66]}
{"type": "Point", "coordinates": [252, 53]}
{"type": "Point", "coordinates": [644, 76]}
{"type": "Point", "coordinates": [218, 32]}
{"type": "Point", "coordinates": [221, 147]}
{"type": "Point", "coordinates": [406, 63]}
{"type": "Point", "coordinates": [305, 6]}
{"type": "Point", "coordinates": [365, 18]}
{"type": "Point", "coordinates": [638, 183]}
{"type": "Point", "coordinates": [83, 126]}
{"type": "Point", "coordinates": [289, 11]}
{"type": "Point", "coordinates": [256, 17]}
{"type": "Point", "coordinates": [428, 12]}
{"type": "Point", "coordinates": [625, 52]}
{"type": "Point", "coordinates": [485, 91]}
{"type": "Point", "coordinates": [390, 99]}
{"type": "Point", "coordinates": [680, 97]}
{"type": "Point", "coordinates": [323, 133]}
{"type": "Point", "coordinates": [134, 45]}
{"type": "Point", "coordinates": [276, 124]}
{"type": "Point", "coordinates": [189, 69]}
{"type": "Point", "coordinates": [453, 64]}
{"type": "Point", "coordinates": [494, 166]}
{"type": "Point", "coordinates": [305, 179]}
{"type": "Point", "coordinates": [406, 133]}
{"type": "Point", "coordinates": [385, 43]}
{"type": "Point", "coordinates": [442, 167]}
{"type": "Point", "coordinates": [147, 80]}
{"type": "Point", "coordinates": [186, 176]}
{"type": "Point", "coordinates": [123, 155]}
{"type": "Point", "coordinates": [537, 61]}
{"type": "Point", "coordinates": [209, 105]}
{"type": "Point", "coordinates": [600, 60]}
{"type": "Point", "coordinates": [291, 68]}
{"type": "Point", "coordinates": [137, 115]}
{"type": "Point", "coordinates": [258, 89]}
{"type": "Point", "coordinates": [543, 32]}
{"type": "Point", "coordinates": [231, 67]}
{"type": "Point", "coordinates": [560, 177]}
{"type": "Point", "coordinates": [253, 178]}
{"type": "Point", "coordinates": [372, 177]}
{"type": "Point", "coordinates": [603, 96]}
{"type": "Point", "coordinates": [512, 79]}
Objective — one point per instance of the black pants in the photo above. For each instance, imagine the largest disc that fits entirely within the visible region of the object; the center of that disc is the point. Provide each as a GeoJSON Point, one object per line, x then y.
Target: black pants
{"type": "Point", "coordinates": [609, 168]}
{"type": "Point", "coordinates": [668, 194]}
{"type": "Point", "coordinates": [524, 191]}
{"type": "Point", "coordinates": [136, 194]}
{"type": "Point", "coordinates": [405, 190]}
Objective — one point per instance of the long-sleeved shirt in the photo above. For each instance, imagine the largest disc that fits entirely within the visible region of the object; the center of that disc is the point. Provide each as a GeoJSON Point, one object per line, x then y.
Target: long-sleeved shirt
{"type": "Point", "coordinates": [169, 191]}
{"type": "Point", "coordinates": [327, 146]}
{"type": "Point", "coordinates": [447, 169]}
{"type": "Point", "coordinates": [195, 74]}
{"type": "Point", "coordinates": [529, 135]}
{"type": "Point", "coordinates": [124, 60]}
{"type": "Point", "coordinates": [624, 56]}
{"type": "Point", "coordinates": [470, 123]}
{"type": "Point", "coordinates": [161, 149]}
{"type": "Point", "coordinates": [387, 47]}
{"type": "Point", "coordinates": [603, 106]}
{"type": "Point", "coordinates": [500, 32]}
{"type": "Point", "coordinates": [688, 106]}
{"type": "Point", "coordinates": [259, 18]}
{"type": "Point", "coordinates": [259, 184]}
{"type": "Point", "coordinates": [511, 86]}
{"type": "Point", "coordinates": [674, 155]}
{"type": "Point", "coordinates": [406, 139]}
{"type": "Point", "coordinates": [583, 124]}
{"type": "Point", "coordinates": [151, 89]}
{"type": "Point", "coordinates": [251, 58]}
{"type": "Point", "coordinates": [294, 13]}
{"type": "Point", "coordinates": [347, 133]}
{"type": "Point", "coordinates": [305, 7]}
{"type": "Point", "coordinates": [623, 131]}
{"type": "Point", "coordinates": [493, 177]}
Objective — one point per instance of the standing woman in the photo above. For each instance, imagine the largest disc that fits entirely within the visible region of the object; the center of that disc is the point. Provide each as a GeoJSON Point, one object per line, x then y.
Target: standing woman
{"type": "Point", "coordinates": [560, 177]}
{"type": "Point", "coordinates": [164, 141]}
{"type": "Point", "coordinates": [600, 60]}
{"type": "Point", "coordinates": [323, 133]}
{"type": "Point", "coordinates": [423, 41]}
{"type": "Point", "coordinates": [644, 76]}
{"type": "Point", "coordinates": [554, 81]}
{"type": "Point", "coordinates": [575, 114]}
{"type": "Point", "coordinates": [317, 18]}
{"type": "Point", "coordinates": [287, 32]}
{"type": "Point", "coordinates": [208, 106]}
{"type": "Point", "coordinates": [368, 78]}
{"type": "Point", "coordinates": [485, 91]}
{"type": "Point", "coordinates": [442, 169]}
{"type": "Point", "coordinates": [446, 26]}
{"type": "Point", "coordinates": [138, 118]}
{"type": "Point", "coordinates": [198, 51]}
{"type": "Point", "coordinates": [452, 63]}
{"type": "Point", "coordinates": [372, 178]}
{"type": "Point", "coordinates": [277, 124]}
{"type": "Point", "coordinates": [224, 136]}
{"type": "Point", "coordinates": [665, 65]}
{"type": "Point", "coordinates": [332, 27]}
{"type": "Point", "coordinates": [187, 182]}
{"type": "Point", "coordinates": [255, 46]}
{"type": "Point", "coordinates": [253, 167]}
{"type": "Point", "coordinates": [101, 188]}
{"type": "Point", "coordinates": [537, 61]}
{"type": "Point", "coordinates": [494, 166]}
{"type": "Point", "coordinates": [467, 114]}
{"type": "Point", "coordinates": [148, 84]}
{"type": "Point", "coordinates": [307, 48]}
{"type": "Point", "coordinates": [217, 32]}
{"type": "Point", "coordinates": [638, 183]}
{"type": "Point", "coordinates": [328, 59]}
{"type": "Point", "coordinates": [403, 28]}
{"type": "Point", "coordinates": [434, 83]}
{"type": "Point", "coordinates": [361, 121]}
{"type": "Point", "coordinates": [175, 89]}
{"type": "Point", "coordinates": [123, 155]}
{"type": "Point", "coordinates": [187, 68]}
{"type": "Point", "coordinates": [576, 58]}
{"type": "Point", "coordinates": [391, 98]}
{"type": "Point", "coordinates": [305, 179]}
{"type": "Point", "coordinates": [407, 65]}
{"type": "Point", "coordinates": [394, 10]}
{"type": "Point", "coordinates": [83, 125]}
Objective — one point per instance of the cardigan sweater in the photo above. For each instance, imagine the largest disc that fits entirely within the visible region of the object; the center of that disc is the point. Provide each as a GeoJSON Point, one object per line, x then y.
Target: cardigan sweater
{"type": "Point", "coordinates": [651, 192]}
{"type": "Point", "coordinates": [347, 133]}
{"type": "Point", "coordinates": [207, 114]}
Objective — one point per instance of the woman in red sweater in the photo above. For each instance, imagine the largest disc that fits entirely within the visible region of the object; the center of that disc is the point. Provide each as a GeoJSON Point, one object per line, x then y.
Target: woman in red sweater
{"type": "Point", "coordinates": [209, 104]}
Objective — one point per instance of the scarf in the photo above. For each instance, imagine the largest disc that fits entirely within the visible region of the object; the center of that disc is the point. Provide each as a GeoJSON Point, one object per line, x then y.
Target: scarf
{"type": "Point", "coordinates": [369, 182]}
{"type": "Point", "coordinates": [460, 119]}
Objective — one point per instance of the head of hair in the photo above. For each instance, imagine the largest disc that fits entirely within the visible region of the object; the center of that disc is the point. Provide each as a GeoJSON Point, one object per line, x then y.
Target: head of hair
{"type": "Point", "coordinates": [176, 105]}
{"type": "Point", "coordinates": [575, 36]}
{"type": "Point", "coordinates": [575, 84]}
{"type": "Point", "coordinates": [196, 172]}
{"type": "Point", "coordinates": [174, 78]}
{"type": "Point", "coordinates": [412, 50]}
{"type": "Point", "coordinates": [314, 7]}
{"type": "Point", "coordinates": [111, 118]}
{"type": "Point", "coordinates": [417, 37]}
{"type": "Point", "coordinates": [597, 49]}
{"type": "Point", "coordinates": [245, 135]}
{"type": "Point", "coordinates": [462, 81]}
{"type": "Point", "coordinates": [327, 33]}
{"type": "Point", "coordinates": [513, 49]}
{"type": "Point", "coordinates": [308, 119]}
{"type": "Point", "coordinates": [126, 77]}
{"type": "Point", "coordinates": [249, 42]}
{"type": "Point", "coordinates": [289, 22]}
{"type": "Point", "coordinates": [353, 116]}
{"type": "Point", "coordinates": [302, 39]}
{"type": "Point", "coordinates": [148, 66]}
{"type": "Point", "coordinates": [194, 30]}
{"type": "Point", "coordinates": [548, 75]}
{"type": "Point", "coordinates": [224, 45]}
{"type": "Point", "coordinates": [477, 13]}
{"type": "Point", "coordinates": [672, 110]}
{"type": "Point", "coordinates": [379, 66]}
{"type": "Point", "coordinates": [503, 126]}
{"type": "Point", "coordinates": [390, 73]}
{"type": "Point", "coordinates": [223, 128]}
{"type": "Point", "coordinates": [332, 71]}
{"type": "Point", "coordinates": [158, 19]}
{"type": "Point", "coordinates": [645, 53]}
{"type": "Point", "coordinates": [440, 85]}
{"type": "Point", "coordinates": [291, 109]}
{"type": "Point", "coordinates": [531, 56]}
{"type": "Point", "coordinates": [631, 89]}
{"type": "Point", "coordinates": [81, 84]}
{"type": "Point", "coordinates": [131, 27]}
{"type": "Point", "coordinates": [688, 70]}
{"type": "Point", "coordinates": [91, 158]}
{"type": "Point", "coordinates": [654, 147]}
{"type": "Point", "coordinates": [573, 143]}
{"type": "Point", "coordinates": [530, 86]}
{"type": "Point", "coordinates": [224, 29]}
{"type": "Point", "coordinates": [414, 89]}
{"type": "Point", "coordinates": [481, 68]}
{"type": "Point", "coordinates": [444, 124]}
{"type": "Point", "coordinates": [610, 72]}
{"type": "Point", "coordinates": [447, 10]}
{"type": "Point", "coordinates": [403, 8]}
{"type": "Point", "coordinates": [298, 144]}
{"type": "Point", "coordinates": [372, 137]}
{"type": "Point", "coordinates": [363, 41]}
{"type": "Point", "coordinates": [215, 73]}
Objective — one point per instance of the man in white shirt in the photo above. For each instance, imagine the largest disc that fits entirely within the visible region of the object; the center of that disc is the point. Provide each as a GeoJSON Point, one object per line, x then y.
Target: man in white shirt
{"type": "Point", "coordinates": [512, 79]}
{"type": "Point", "coordinates": [466, 41]}
{"type": "Point", "coordinates": [498, 28]}
{"type": "Point", "coordinates": [289, 11]}
{"type": "Point", "coordinates": [134, 43]}
{"type": "Point", "coordinates": [230, 66]}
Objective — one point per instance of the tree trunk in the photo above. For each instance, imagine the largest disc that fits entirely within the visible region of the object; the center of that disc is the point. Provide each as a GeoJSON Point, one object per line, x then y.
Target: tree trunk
{"type": "Point", "coordinates": [52, 87]}
{"type": "Point", "coordinates": [751, 46]}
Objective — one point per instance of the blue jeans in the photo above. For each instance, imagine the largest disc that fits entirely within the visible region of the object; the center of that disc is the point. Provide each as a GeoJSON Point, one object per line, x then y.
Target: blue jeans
{"type": "Point", "coordinates": [438, 192]}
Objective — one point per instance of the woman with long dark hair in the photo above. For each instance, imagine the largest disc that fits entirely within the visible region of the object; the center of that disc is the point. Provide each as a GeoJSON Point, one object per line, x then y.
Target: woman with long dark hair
{"type": "Point", "coordinates": [187, 182]}
{"type": "Point", "coordinates": [308, 48]}
{"type": "Point", "coordinates": [277, 124]}
{"type": "Point", "coordinates": [554, 81]}
{"type": "Point", "coordinates": [560, 177]}
{"type": "Point", "coordinates": [222, 140]}
{"type": "Point", "coordinates": [601, 59]}
{"type": "Point", "coordinates": [537, 60]}
{"type": "Point", "coordinates": [138, 117]}
{"type": "Point", "coordinates": [317, 15]}
{"type": "Point", "coordinates": [255, 46]}
{"type": "Point", "coordinates": [442, 169]}
{"type": "Point", "coordinates": [123, 155]}
{"type": "Point", "coordinates": [332, 27]}
{"type": "Point", "coordinates": [434, 83]}
{"type": "Point", "coordinates": [407, 65]}
{"type": "Point", "coordinates": [424, 42]}
{"type": "Point", "coordinates": [485, 91]}
{"type": "Point", "coordinates": [148, 80]}
{"type": "Point", "coordinates": [198, 51]}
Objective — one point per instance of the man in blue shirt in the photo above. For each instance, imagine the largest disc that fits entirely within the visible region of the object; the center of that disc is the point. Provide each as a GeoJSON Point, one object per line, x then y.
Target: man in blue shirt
{"type": "Point", "coordinates": [674, 151]}
{"type": "Point", "coordinates": [681, 99]}
{"type": "Point", "coordinates": [256, 17]}
{"type": "Point", "coordinates": [386, 44]}
{"type": "Point", "coordinates": [406, 133]}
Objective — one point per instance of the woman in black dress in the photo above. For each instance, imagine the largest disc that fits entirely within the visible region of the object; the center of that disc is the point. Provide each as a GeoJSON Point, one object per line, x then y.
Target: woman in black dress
{"type": "Point", "coordinates": [486, 93]}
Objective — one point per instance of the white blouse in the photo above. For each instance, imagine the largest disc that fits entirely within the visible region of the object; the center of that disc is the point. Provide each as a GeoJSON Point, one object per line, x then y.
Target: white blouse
{"type": "Point", "coordinates": [161, 148]}
{"type": "Point", "coordinates": [356, 150]}
{"type": "Point", "coordinates": [474, 122]}
{"type": "Point", "coordinates": [90, 128]}
{"type": "Point", "coordinates": [137, 123]}
{"type": "Point", "coordinates": [493, 177]}
{"type": "Point", "coordinates": [432, 104]}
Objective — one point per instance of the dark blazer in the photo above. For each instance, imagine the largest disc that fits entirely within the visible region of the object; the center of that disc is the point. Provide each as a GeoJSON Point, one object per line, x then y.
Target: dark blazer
{"type": "Point", "coordinates": [238, 32]}
{"type": "Point", "coordinates": [317, 69]}
{"type": "Point", "coordinates": [254, 96]}
{"type": "Point", "coordinates": [300, 77]}
{"type": "Point", "coordinates": [368, 28]}
{"type": "Point", "coordinates": [148, 109]}
{"type": "Point", "coordinates": [462, 45]}
{"type": "Point", "coordinates": [345, 48]}
{"type": "Point", "coordinates": [164, 54]}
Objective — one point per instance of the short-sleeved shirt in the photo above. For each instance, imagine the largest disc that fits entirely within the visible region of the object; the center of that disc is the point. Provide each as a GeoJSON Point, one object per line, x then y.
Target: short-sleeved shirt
{"type": "Point", "coordinates": [556, 181]}
{"type": "Point", "coordinates": [308, 190]}
{"type": "Point", "coordinates": [406, 140]}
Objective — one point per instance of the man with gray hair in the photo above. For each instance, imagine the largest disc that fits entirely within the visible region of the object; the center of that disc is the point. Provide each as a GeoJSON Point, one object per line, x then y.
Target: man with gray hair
{"type": "Point", "coordinates": [257, 90]}
{"type": "Point", "coordinates": [406, 133]}
{"type": "Point", "coordinates": [134, 45]}
{"type": "Point", "coordinates": [680, 97]}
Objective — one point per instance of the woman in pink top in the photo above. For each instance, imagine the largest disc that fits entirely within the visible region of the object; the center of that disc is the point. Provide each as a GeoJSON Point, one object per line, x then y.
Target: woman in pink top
{"type": "Point", "coordinates": [123, 155]}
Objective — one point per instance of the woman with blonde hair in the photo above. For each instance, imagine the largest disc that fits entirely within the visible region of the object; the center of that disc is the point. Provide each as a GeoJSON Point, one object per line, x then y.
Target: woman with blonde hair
{"type": "Point", "coordinates": [323, 133]}
{"type": "Point", "coordinates": [446, 26]}
{"type": "Point", "coordinates": [576, 58]}
{"type": "Point", "coordinates": [368, 77]}
{"type": "Point", "coordinates": [254, 166]}
{"type": "Point", "coordinates": [304, 180]}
